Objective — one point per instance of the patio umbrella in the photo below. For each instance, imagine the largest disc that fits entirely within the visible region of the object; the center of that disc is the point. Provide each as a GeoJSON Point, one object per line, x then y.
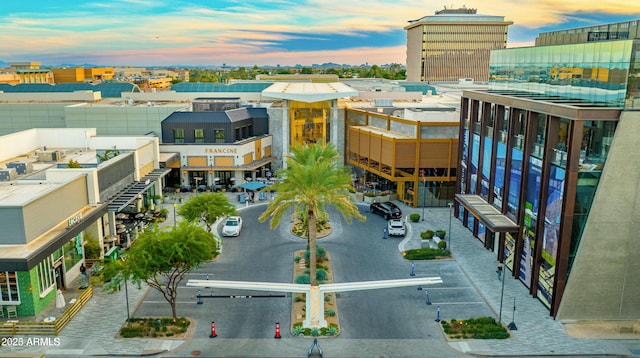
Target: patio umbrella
{"type": "Point", "coordinates": [60, 300]}
{"type": "Point", "coordinates": [253, 185]}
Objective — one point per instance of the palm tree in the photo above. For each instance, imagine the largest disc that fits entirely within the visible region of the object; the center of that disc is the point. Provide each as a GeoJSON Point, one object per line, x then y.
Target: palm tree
{"type": "Point", "coordinates": [313, 181]}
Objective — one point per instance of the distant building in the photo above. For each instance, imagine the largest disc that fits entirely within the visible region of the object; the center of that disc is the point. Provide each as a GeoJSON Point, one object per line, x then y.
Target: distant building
{"type": "Point", "coordinates": [453, 44]}
{"type": "Point", "coordinates": [81, 74]}
{"type": "Point", "coordinates": [30, 72]}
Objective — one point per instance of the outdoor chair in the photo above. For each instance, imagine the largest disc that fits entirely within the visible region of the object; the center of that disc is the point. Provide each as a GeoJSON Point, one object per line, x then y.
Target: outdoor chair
{"type": "Point", "coordinates": [12, 312]}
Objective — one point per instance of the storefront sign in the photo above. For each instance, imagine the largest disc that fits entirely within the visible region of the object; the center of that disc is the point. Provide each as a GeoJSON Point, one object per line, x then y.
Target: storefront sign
{"type": "Point", "coordinates": [74, 220]}
{"type": "Point", "coordinates": [222, 150]}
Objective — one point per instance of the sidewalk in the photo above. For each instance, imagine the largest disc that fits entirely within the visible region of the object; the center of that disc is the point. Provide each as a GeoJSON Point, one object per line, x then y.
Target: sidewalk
{"type": "Point", "coordinates": [92, 331]}
{"type": "Point", "coordinates": [537, 333]}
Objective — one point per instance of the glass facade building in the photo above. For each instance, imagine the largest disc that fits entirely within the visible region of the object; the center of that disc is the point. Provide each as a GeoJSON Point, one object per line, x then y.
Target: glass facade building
{"type": "Point", "coordinates": [534, 147]}
{"type": "Point", "coordinates": [603, 73]}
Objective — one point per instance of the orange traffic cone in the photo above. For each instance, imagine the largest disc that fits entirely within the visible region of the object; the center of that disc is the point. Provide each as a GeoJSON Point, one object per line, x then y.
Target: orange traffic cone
{"type": "Point", "coordinates": [277, 330]}
{"type": "Point", "coordinates": [213, 330]}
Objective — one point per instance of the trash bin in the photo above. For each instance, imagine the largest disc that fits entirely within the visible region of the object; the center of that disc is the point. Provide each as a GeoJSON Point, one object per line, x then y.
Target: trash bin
{"type": "Point", "coordinates": [263, 196]}
{"type": "Point", "coordinates": [241, 197]}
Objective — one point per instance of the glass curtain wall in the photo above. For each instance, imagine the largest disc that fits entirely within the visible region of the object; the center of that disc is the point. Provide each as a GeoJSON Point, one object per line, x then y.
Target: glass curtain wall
{"type": "Point", "coordinates": [604, 72]}
{"type": "Point", "coordinates": [309, 122]}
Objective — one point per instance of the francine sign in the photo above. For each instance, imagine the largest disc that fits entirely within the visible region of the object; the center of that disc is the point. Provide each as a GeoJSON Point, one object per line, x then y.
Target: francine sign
{"type": "Point", "coordinates": [222, 150]}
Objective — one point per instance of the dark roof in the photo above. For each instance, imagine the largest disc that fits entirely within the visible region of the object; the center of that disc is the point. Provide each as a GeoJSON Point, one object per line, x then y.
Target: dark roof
{"type": "Point", "coordinates": [232, 115]}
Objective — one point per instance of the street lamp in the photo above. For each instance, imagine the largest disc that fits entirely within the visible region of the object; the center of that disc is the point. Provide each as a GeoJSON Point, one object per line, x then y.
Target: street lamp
{"type": "Point", "coordinates": [502, 292]}
{"type": "Point", "coordinates": [126, 293]}
{"type": "Point", "coordinates": [424, 196]}
{"type": "Point", "coordinates": [450, 214]}
{"type": "Point", "coordinates": [175, 205]}
{"type": "Point", "coordinates": [197, 179]}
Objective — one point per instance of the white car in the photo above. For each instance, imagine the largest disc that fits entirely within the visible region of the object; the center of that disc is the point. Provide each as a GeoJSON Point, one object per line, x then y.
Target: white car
{"type": "Point", "coordinates": [396, 227]}
{"type": "Point", "coordinates": [232, 226]}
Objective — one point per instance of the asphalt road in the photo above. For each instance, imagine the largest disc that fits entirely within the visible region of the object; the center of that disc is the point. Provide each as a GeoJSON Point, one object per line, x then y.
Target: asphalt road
{"type": "Point", "coordinates": [358, 252]}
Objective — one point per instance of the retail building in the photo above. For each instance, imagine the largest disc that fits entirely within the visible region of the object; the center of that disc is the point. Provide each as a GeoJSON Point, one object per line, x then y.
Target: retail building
{"type": "Point", "coordinates": [547, 175]}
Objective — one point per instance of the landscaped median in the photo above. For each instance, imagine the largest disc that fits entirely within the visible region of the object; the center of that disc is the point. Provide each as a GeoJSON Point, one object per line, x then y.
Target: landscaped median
{"type": "Point", "coordinates": [474, 328]}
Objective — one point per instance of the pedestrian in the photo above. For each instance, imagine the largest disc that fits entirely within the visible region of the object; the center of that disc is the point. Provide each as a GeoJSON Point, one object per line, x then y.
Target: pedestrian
{"type": "Point", "coordinates": [499, 271]}
{"type": "Point", "coordinates": [84, 280]}
{"type": "Point", "coordinates": [384, 233]}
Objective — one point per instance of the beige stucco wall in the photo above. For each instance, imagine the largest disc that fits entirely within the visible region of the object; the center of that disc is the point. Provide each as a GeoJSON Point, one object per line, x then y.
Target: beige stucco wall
{"type": "Point", "coordinates": [604, 283]}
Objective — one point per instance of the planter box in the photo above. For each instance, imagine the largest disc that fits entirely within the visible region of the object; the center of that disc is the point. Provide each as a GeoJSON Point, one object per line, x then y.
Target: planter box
{"type": "Point", "coordinates": [382, 198]}
{"type": "Point", "coordinates": [369, 199]}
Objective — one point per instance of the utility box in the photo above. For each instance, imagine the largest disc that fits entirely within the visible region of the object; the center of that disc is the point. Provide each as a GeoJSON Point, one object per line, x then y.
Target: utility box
{"type": "Point", "coordinates": [21, 167]}
{"type": "Point", "coordinates": [8, 174]}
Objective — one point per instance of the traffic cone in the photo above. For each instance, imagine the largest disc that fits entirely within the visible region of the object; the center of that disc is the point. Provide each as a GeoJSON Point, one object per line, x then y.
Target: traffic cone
{"type": "Point", "coordinates": [213, 330]}
{"type": "Point", "coordinates": [277, 330]}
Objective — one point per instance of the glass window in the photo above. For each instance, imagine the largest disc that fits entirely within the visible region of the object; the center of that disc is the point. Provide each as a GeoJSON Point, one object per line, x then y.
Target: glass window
{"type": "Point", "coordinates": [9, 287]}
{"type": "Point", "coordinates": [198, 135]}
{"type": "Point", "coordinates": [46, 276]}
{"type": "Point", "coordinates": [72, 252]}
{"type": "Point", "coordinates": [178, 135]}
{"type": "Point", "coordinates": [218, 136]}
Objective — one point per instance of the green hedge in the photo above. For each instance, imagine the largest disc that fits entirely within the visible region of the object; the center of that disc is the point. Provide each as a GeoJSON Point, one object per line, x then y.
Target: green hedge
{"type": "Point", "coordinates": [425, 254]}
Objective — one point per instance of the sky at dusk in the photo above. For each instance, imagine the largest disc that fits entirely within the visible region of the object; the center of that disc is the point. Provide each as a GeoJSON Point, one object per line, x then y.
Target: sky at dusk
{"type": "Point", "coordinates": [247, 33]}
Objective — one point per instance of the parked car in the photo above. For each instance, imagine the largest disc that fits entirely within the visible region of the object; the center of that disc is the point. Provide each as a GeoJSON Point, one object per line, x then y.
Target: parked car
{"type": "Point", "coordinates": [387, 210]}
{"type": "Point", "coordinates": [396, 227]}
{"type": "Point", "coordinates": [232, 226]}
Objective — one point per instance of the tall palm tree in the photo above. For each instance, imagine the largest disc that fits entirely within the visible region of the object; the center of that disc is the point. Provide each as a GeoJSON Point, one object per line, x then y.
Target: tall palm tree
{"type": "Point", "coordinates": [313, 181]}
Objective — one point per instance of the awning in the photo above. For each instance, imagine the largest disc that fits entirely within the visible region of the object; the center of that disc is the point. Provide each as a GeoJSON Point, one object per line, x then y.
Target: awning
{"type": "Point", "coordinates": [129, 194]}
{"type": "Point", "coordinates": [486, 213]}
{"type": "Point", "coordinates": [252, 185]}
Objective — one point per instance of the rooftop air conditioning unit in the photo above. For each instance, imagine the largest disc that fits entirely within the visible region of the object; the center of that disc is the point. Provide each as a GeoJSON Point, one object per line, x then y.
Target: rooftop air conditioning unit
{"type": "Point", "coordinates": [8, 174]}
{"type": "Point", "coordinates": [21, 167]}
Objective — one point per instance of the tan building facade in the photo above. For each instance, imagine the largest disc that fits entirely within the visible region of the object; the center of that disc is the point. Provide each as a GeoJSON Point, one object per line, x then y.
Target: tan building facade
{"type": "Point", "coordinates": [453, 44]}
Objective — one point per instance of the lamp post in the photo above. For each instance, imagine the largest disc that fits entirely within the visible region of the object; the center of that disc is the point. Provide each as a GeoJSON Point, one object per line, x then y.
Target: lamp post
{"type": "Point", "coordinates": [197, 179]}
{"type": "Point", "coordinates": [175, 205]}
{"type": "Point", "coordinates": [502, 292]}
{"type": "Point", "coordinates": [450, 214]}
{"type": "Point", "coordinates": [424, 196]}
{"type": "Point", "coordinates": [126, 293]}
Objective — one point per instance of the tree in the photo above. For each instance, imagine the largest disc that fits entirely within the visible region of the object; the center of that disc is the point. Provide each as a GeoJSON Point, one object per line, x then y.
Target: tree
{"type": "Point", "coordinates": [161, 258]}
{"type": "Point", "coordinates": [207, 208]}
{"type": "Point", "coordinates": [313, 182]}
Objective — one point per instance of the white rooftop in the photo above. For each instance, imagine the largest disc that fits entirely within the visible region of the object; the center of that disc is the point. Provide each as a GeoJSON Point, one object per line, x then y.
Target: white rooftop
{"type": "Point", "coordinates": [308, 91]}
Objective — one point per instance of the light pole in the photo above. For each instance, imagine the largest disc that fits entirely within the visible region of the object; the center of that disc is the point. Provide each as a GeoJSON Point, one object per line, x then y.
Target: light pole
{"type": "Point", "coordinates": [450, 214]}
{"type": "Point", "coordinates": [424, 196]}
{"type": "Point", "coordinates": [502, 292]}
{"type": "Point", "coordinates": [126, 293]}
{"type": "Point", "coordinates": [175, 205]}
{"type": "Point", "coordinates": [197, 179]}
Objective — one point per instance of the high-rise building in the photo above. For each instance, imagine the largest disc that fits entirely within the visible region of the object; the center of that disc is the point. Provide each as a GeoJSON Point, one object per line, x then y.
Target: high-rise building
{"type": "Point", "coordinates": [453, 44]}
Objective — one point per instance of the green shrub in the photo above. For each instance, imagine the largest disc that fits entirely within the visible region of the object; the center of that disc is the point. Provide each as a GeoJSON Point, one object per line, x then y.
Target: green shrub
{"type": "Point", "coordinates": [321, 275]}
{"type": "Point", "coordinates": [427, 235]}
{"type": "Point", "coordinates": [296, 258]}
{"type": "Point", "coordinates": [330, 312]}
{"type": "Point", "coordinates": [327, 298]}
{"type": "Point", "coordinates": [332, 331]}
{"type": "Point", "coordinates": [303, 279]}
{"type": "Point", "coordinates": [425, 254]}
{"type": "Point", "coordinates": [441, 234]}
{"type": "Point", "coordinates": [130, 332]}
{"type": "Point", "coordinates": [414, 217]}
{"type": "Point", "coordinates": [314, 332]}
{"type": "Point", "coordinates": [298, 299]}
{"type": "Point", "coordinates": [298, 330]}
{"type": "Point", "coordinates": [442, 245]}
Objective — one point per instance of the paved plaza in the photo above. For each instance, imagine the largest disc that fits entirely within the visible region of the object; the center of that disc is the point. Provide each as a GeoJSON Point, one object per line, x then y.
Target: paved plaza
{"type": "Point", "coordinates": [92, 332]}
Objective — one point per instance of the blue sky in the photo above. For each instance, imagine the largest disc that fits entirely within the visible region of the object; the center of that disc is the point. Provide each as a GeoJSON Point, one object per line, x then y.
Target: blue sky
{"type": "Point", "coordinates": [247, 33]}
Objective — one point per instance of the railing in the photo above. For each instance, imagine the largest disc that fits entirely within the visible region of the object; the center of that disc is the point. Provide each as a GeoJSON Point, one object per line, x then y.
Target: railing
{"type": "Point", "coordinates": [10, 328]}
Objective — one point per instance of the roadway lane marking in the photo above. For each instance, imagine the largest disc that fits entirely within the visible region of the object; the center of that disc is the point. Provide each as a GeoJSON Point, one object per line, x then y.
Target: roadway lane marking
{"type": "Point", "coordinates": [459, 303]}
